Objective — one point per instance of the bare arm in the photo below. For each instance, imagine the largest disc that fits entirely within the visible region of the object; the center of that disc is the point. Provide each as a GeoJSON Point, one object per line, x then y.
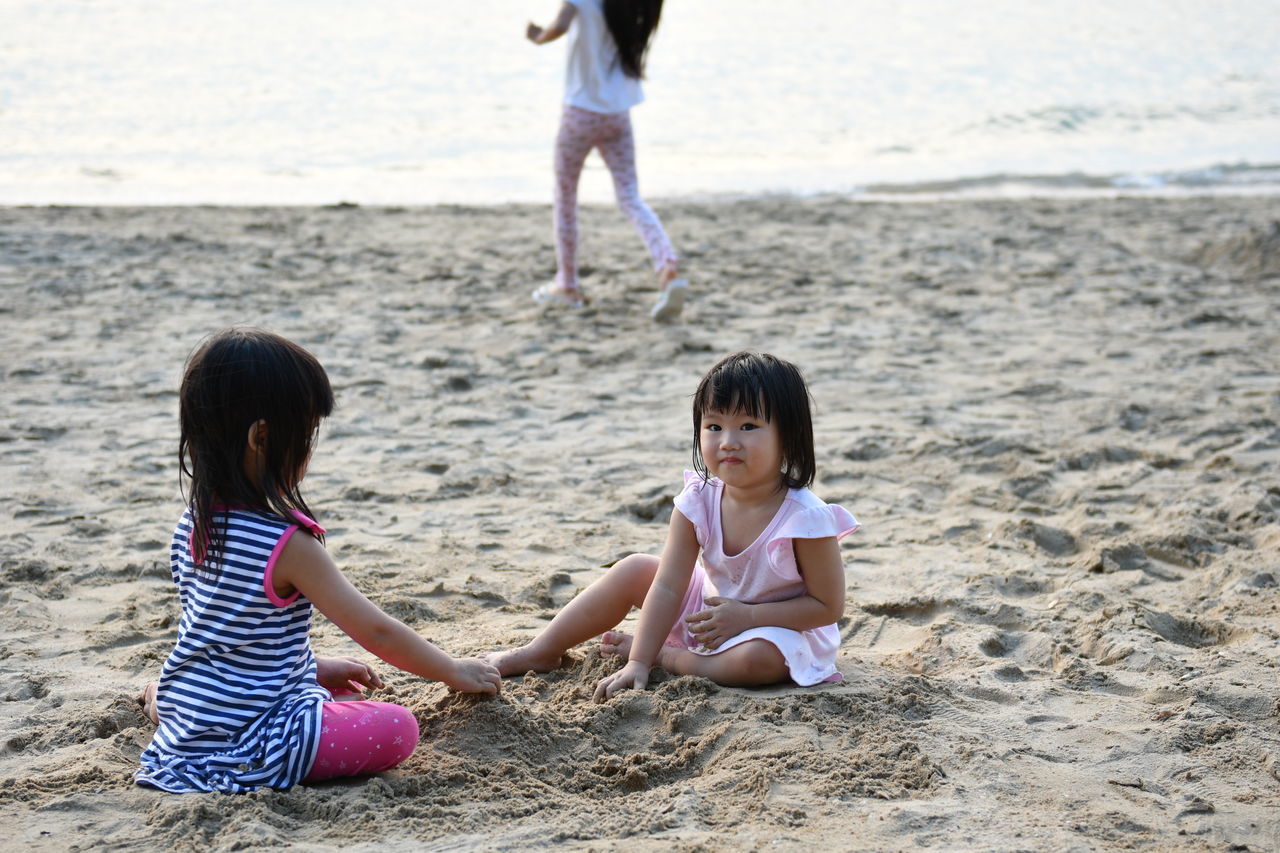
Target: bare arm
{"type": "Point", "coordinates": [660, 609]}
{"type": "Point", "coordinates": [822, 604]}
{"type": "Point", "coordinates": [306, 566]}
{"type": "Point", "coordinates": [553, 30]}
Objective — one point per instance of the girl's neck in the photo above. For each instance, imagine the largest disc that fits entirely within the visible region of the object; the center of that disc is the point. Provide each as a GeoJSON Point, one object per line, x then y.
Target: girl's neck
{"type": "Point", "coordinates": [746, 513]}
{"type": "Point", "coordinates": [755, 497]}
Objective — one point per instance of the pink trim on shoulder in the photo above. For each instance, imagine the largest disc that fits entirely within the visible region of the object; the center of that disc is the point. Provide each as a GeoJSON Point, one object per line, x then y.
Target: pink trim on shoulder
{"type": "Point", "coordinates": [303, 521]}
{"type": "Point", "coordinates": [271, 569]}
{"type": "Point", "coordinates": [306, 522]}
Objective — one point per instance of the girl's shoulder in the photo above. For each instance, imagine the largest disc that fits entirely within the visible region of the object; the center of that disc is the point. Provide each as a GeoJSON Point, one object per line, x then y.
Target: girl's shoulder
{"type": "Point", "coordinates": [697, 487]}
{"type": "Point", "coordinates": [694, 480]}
{"type": "Point", "coordinates": [807, 516]}
{"type": "Point", "coordinates": [803, 498]}
{"type": "Point", "coordinates": [695, 498]}
{"type": "Point", "coordinates": [263, 520]}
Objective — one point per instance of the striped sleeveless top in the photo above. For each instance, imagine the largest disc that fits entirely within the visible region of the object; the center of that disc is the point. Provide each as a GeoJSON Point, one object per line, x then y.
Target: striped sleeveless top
{"type": "Point", "coordinates": [238, 700]}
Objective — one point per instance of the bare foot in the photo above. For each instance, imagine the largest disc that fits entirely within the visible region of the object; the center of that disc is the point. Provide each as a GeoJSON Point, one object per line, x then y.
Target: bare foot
{"type": "Point", "coordinates": [147, 699]}
{"type": "Point", "coordinates": [615, 644]}
{"type": "Point", "coordinates": [522, 660]}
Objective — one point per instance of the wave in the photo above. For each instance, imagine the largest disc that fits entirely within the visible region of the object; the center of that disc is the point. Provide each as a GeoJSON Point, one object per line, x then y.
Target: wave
{"type": "Point", "coordinates": [1225, 179]}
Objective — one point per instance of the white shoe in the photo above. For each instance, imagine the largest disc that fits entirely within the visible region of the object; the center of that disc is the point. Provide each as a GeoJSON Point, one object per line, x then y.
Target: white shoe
{"type": "Point", "coordinates": [670, 301]}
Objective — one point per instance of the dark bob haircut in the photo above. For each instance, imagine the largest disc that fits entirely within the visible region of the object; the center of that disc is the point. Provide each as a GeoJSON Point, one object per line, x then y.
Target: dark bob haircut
{"type": "Point", "coordinates": [236, 378]}
{"type": "Point", "coordinates": [766, 387]}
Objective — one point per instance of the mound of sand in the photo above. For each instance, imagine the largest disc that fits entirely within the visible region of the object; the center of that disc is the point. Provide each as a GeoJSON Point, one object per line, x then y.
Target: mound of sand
{"type": "Point", "coordinates": [1252, 255]}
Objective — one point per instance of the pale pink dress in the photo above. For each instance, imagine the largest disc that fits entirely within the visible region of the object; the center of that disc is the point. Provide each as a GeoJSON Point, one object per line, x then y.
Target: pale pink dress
{"type": "Point", "coordinates": [765, 571]}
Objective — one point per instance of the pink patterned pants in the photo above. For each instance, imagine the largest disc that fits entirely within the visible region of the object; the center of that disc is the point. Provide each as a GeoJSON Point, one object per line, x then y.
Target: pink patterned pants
{"type": "Point", "coordinates": [361, 737]}
{"type": "Point", "coordinates": [580, 131]}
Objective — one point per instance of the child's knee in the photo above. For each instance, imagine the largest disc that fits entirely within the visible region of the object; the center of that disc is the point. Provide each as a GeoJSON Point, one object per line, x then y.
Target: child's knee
{"type": "Point", "coordinates": [637, 570]}
{"type": "Point", "coordinates": [760, 662]}
{"type": "Point", "coordinates": [403, 733]}
{"type": "Point", "coordinates": [637, 566]}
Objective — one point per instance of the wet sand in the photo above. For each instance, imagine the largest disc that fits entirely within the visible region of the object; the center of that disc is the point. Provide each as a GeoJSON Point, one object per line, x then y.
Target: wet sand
{"type": "Point", "coordinates": [1058, 421]}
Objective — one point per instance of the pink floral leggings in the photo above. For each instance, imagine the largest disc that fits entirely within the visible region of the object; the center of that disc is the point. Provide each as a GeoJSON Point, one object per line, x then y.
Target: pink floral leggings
{"type": "Point", "coordinates": [362, 737]}
{"type": "Point", "coordinates": [580, 131]}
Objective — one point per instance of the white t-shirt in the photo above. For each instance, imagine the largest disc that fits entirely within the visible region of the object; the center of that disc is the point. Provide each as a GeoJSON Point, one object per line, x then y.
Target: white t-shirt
{"type": "Point", "coordinates": [594, 79]}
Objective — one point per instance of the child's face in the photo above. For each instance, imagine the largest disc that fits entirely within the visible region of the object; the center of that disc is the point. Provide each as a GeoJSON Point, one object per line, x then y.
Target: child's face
{"type": "Point", "coordinates": [742, 451]}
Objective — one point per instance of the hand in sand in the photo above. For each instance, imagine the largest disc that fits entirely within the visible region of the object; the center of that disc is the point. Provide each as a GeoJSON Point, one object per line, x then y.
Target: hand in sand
{"type": "Point", "coordinates": [346, 675]}
{"type": "Point", "coordinates": [724, 619]}
{"type": "Point", "coordinates": [147, 699]}
{"type": "Point", "coordinates": [634, 674]}
{"type": "Point", "coordinates": [472, 675]}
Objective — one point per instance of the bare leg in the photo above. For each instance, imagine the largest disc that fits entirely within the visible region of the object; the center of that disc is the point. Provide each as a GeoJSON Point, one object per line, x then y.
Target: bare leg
{"type": "Point", "coordinates": [595, 610]}
{"type": "Point", "coordinates": [753, 663]}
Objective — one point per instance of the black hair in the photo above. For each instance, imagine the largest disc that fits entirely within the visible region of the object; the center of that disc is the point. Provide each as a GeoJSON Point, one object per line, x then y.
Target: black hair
{"type": "Point", "coordinates": [236, 378]}
{"type": "Point", "coordinates": [761, 386]}
{"type": "Point", "coordinates": [632, 23]}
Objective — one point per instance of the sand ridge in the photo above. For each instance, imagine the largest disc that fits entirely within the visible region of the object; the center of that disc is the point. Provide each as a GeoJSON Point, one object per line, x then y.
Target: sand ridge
{"type": "Point", "coordinates": [1058, 420]}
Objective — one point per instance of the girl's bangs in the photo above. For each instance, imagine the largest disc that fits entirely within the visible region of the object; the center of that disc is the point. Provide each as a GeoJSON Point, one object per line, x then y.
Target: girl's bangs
{"type": "Point", "coordinates": [732, 392]}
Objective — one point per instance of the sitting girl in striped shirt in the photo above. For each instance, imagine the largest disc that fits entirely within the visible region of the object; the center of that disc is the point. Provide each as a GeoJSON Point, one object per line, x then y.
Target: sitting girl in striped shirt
{"type": "Point", "coordinates": [242, 702]}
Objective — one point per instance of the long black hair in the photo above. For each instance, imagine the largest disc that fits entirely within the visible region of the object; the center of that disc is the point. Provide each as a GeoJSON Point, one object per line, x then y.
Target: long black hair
{"type": "Point", "coordinates": [766, 387]}
{"type": "Point", "coordinates": [235, 379]}
{"type": "Point", "coordinates": [631, 23]}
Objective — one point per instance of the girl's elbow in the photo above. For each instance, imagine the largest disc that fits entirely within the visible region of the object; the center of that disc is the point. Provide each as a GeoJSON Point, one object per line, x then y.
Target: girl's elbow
{"type": "Point", "coordinates": [834, 611]}
{"type": "Point", "coordinates": [382, 636]}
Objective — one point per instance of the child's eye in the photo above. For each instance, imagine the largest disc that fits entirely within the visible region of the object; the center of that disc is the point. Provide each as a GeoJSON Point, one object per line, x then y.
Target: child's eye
{"type": "Point", "coordinates": [711, 427]}
{"type": "Point", "coordinates": [750, 426]}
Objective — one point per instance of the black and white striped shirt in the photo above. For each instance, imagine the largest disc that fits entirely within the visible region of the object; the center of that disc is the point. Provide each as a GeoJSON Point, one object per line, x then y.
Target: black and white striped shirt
{"type": "Point", "coordinates": [238, 700]}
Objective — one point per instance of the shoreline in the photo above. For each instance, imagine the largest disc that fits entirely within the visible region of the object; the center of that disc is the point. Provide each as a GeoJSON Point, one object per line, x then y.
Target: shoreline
{"type": "Point", "coordinates": [1056, 418]}
{"type": "Point", "coordinates": [1219, 179]}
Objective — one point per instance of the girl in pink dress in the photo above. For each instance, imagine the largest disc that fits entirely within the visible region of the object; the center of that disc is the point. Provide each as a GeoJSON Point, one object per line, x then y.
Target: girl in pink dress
{"type": "Point", "coordinates": [750, 583]}
{"type": "Point", "coordinates": [608, 40]}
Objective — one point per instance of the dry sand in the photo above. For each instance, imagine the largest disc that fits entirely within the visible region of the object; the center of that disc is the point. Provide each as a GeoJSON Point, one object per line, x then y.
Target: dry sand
{"type": "Point", "coordinates": [1057, 420]}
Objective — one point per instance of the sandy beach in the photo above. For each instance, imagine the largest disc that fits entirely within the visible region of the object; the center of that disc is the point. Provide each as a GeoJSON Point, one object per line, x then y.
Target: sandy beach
{"type": "Point", "coordinates": [1058, 421]}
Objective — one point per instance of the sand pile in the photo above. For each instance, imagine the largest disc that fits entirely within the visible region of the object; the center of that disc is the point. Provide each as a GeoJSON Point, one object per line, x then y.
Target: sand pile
{"type": "Point", "coordinates": [1252, 255]}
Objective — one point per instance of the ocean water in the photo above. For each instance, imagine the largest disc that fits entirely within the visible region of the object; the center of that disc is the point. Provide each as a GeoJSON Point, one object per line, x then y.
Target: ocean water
{"type": "Point", "coordinates": [392, 102]}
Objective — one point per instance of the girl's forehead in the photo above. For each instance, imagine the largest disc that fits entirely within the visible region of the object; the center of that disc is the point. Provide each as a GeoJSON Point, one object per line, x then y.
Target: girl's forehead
{"type": "Point", "coordinates": [739, 412]}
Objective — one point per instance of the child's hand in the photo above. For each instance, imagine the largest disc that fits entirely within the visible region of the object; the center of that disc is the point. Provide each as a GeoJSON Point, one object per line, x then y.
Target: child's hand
{"type": "Point", "coordinates": [345, 675]}
{"type": "Point", "coordinates": [634, 674]}
{"type": "Point", "coordinates": [472, 675]}
{"type": "Point", "coordinates": [533, 32]}
{"type": "Point", "coordinates": [147, 699]}
{"type": "Point", "coordinates": [723, 620]}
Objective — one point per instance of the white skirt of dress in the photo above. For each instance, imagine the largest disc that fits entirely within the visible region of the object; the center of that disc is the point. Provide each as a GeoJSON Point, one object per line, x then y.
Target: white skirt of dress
{"type": "Point", "coordinates": [810, 655]}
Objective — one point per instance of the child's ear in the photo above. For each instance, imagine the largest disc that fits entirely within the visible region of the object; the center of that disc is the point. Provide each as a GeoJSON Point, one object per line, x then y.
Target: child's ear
{"type": "Point", "coordinates": [258, 436]}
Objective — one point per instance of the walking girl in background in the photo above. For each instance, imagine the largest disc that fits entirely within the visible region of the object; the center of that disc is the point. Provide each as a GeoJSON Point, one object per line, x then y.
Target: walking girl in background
{"type": "Point", "coordinates": [242, 702]}
{"type": "Point", "coordinates": [608, 40]}
{"type": "Point", "coordinates": [750, 583]}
